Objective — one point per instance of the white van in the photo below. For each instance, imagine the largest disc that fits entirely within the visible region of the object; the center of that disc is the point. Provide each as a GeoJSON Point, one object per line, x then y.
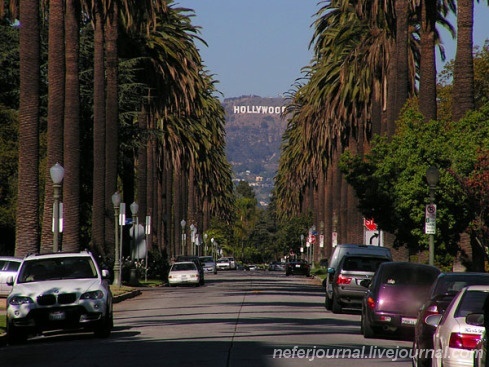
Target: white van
{"type": "Point", "coordinates": [349, 249]}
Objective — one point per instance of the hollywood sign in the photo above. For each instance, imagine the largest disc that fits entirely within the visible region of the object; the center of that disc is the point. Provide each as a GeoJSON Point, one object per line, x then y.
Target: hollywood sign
{"type": "Point", "coordinates": [258, 109]}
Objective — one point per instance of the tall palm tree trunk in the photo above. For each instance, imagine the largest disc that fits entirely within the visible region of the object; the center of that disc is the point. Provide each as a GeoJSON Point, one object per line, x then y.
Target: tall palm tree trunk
{"type": "Point", "coordinates": [427, 69]}
{"type": "Point", "coordinates": [56, 99]}
{"type": "Point", "coordinates": [27, 220]}
{"type": "Point", "coordinates": [111, 119]}
{"type": "Point", "coordinates": [98, 205]}
{"type": "Point", "coordinates": [71, 186]}
{"type": "Point", "coordinates": [463, 72]}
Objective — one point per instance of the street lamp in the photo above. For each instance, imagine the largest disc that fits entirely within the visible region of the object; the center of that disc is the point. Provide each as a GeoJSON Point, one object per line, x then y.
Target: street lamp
{"type": "Point", "coordinates": [57, 173]}
{"type": "Point", "coordinates": [183, 224]}
{"type": "Point", "coordinates": [205, 243]}
{"type": "Point", "coordinates": [134, 211]}
{"type": "Point", "coordinates": [193, 229]}
{"type": "Point", "coordinates": [116, 200]}
{"type": "Point", "coordinates": [302, 244]}
{"type": "Point", "coordinates": [432, 176]}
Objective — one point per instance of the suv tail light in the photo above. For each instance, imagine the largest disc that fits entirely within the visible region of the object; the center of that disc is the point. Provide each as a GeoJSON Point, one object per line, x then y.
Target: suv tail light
{"type": "Point", "coordinates": [431, 310]}
{"type": "Point", "coordinates": [464, 341]}
{"type": "Point", "coordinates": [370, 303]}
{"type": "Point", "coordinates": [343, 280]}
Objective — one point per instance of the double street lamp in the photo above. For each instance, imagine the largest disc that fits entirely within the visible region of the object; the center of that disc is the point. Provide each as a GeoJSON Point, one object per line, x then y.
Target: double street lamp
{"type": "Point", "coordinates": [183, 223]}
{"type": "Point", "coordinates": [116, 201]}
{"type": "Point", "coordinates": [57, 173]}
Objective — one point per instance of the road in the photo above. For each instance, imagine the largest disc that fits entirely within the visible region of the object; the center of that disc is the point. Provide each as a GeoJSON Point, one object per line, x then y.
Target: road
{"type": "Point", "coordinates": [256, 318]}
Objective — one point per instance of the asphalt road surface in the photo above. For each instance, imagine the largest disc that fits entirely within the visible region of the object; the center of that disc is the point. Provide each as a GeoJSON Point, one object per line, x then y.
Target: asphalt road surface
{"type": "Point", "coordinates": [238, 318]}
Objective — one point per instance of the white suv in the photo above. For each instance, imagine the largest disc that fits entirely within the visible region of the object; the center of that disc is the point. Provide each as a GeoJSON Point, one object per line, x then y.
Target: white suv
{"type": "Point", "coordinates": [60, 291]}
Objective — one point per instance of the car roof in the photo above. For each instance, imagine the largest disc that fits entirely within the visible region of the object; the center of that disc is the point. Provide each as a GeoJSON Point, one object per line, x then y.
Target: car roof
{"type": "Point", "coordinates": [11, 258]}
{"type": "Point", "coordinates": [184, 262]}
{"type": "Point", "coordinates": [55, 255]}
{"type": "Point", "coordinates": [484, 288]}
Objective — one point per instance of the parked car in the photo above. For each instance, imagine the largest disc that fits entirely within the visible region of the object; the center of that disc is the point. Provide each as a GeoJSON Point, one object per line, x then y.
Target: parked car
{"type": "Point", "coordinates": [456, 335]}
{"type": "Point", "coordinates": [480, 351]}
{"type": "Point", "coordinates": [196, 261]}
{"type": "Point", "coordinates": [208, 264]}
{"type": "Point", "coordinates": [59, 291]}
{"type": "Point", "coordinates": [347, 290]}
{"type": "Point", "coordinates": [394, 295]}
{"type": "Point", "coordinates": [184, 273]}
{"type": "Point", "coordinates": [250, 267]}
{"type": "Point", "coordinates": [298, 267]}
{"type": "Point", "coordinates": [223, 263]}
{"type": "Point", "coordinates": [442, 292]}
{"type": "Point", "coordinates": [8, 268]}
{"type": "Point", "coordinates": [276, 266]}
{"type": "Point", "coordinates": [339, 252]}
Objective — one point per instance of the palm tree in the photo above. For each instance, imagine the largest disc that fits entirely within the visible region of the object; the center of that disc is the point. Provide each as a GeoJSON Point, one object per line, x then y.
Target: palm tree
{"type": "Point", "coordinates": [71, 185]}
{"type": "Point", "coordinates": [56, 100]}
{"type": "Point", "coordinates": [27, 221]}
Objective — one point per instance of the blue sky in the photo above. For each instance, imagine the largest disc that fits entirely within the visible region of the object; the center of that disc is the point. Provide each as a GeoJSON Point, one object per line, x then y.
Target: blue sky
{"type": "Point", "coordinates": [260, 46]}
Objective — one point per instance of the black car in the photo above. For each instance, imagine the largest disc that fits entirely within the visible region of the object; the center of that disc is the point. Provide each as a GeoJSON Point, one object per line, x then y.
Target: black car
{"type": "Point", "coordinates": [196, 260]}
{"type": "Point", "coordinates": [298, 267]}
{"type": "Point", "coordinates": [443, 290]}
{"type": "Point", "coordinates": [394, 295]}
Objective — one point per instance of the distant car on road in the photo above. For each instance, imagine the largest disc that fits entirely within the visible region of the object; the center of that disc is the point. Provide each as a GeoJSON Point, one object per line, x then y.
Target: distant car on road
{"type": "Point", "coordinates": [184, 273]}
{"type": "Point", "coordinates": [298, 267]}
{"type": "Point", "coordinates": [276, 266]}
{"type": "Point", "coordinates": [196, 261]}
{"type": "Point", "coordinates": [223, 263]}
{"type": "Point", "coordinates": [208, 264]}
{"type": "Point", "coordinates": [232, 263]}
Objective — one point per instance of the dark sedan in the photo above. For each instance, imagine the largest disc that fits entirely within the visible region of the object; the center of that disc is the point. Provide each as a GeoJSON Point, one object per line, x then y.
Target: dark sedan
{"type": "Point", "coordinates": [298, 267]}
{"type": "Point", "coordinates": [443, 290]}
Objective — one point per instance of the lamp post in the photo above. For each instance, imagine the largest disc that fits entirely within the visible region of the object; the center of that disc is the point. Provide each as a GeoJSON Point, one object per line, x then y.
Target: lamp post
{"type": "Point", "coordinates": [193, 230]}
{"type": "Point", "coordinates": [432, 176]}
{"type": "Point", "coordinates": [116, 200]}
{"type": "Point", "coordinates": [205, 243]}
{"type": "Point", "coordinates": [134, 211]}
{"type": "Point", "coordinates": [183, 223]}
{"type": "Point", "coordinates": [57, 173]}
{"type": "Point", "coordinates": [302, 244]}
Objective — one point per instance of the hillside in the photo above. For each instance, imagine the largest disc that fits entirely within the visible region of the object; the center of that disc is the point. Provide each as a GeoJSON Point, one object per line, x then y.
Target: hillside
{"type": "Point", "coordinates": [254, 129]}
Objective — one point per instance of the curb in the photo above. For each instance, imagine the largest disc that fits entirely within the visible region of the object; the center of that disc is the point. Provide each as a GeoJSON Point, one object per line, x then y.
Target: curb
{"type": "Point", "coordinates": [117, 299]}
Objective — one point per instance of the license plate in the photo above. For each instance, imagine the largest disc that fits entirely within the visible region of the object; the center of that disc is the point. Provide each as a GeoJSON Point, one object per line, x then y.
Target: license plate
{"type": "Point", "coordinates": [297, 266]}
{"type": "Point", "coordinates": [57, 316]}
{"type": "Point", "coordinates": [408, 321]}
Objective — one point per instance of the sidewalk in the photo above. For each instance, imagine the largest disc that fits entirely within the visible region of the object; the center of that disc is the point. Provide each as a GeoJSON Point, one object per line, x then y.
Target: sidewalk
{"type": "Point", "coordinates": [116, 299]}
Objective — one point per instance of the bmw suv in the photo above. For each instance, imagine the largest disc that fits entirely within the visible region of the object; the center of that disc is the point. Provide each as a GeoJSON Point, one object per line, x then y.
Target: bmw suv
{"type": "Point", "coordinates": [59, 291]}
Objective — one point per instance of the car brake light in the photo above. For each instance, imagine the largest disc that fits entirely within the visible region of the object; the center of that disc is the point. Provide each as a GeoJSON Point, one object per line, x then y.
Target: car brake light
{"type": "Point", "coordinates": [464, 341]}
{"type": "Point", "coordinates": [370, 303]}
{"type": "Point", "coordinates": [431, 310]}
{"type": "Point", "coordinates": [343, 280]}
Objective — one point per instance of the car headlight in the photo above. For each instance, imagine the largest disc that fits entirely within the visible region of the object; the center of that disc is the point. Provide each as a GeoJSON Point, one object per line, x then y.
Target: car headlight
{"type": "Point", "coordinates": [92, 295]}
{"type": "Point", "coordinates": [20, 300]}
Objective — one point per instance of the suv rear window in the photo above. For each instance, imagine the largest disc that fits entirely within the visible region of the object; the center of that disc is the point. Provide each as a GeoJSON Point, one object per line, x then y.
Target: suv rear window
{"type": "Point", "coordinates": [362, 263]}
{"type": "Point", "coordinates": [395, 275]}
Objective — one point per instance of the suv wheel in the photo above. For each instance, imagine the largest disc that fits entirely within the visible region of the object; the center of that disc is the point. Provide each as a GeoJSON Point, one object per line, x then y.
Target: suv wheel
{"type": "Point", "coordinates": [327, 303]}
{"type": "Point", "coordinates": [104, 329]}
{"type": "Point", "coordinates": [15, 335]}
{"type": "Point", "coordinates": [336, 307]}
{"type": "Point", "coordinates": [367, 330]}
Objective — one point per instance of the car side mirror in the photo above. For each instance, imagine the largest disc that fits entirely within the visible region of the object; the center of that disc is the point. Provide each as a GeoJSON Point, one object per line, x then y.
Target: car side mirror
{"type": "Point", "coordinates": [366, 282]}
{"type": "Point", "coordinates": [476, 319]}
{"type": "Point", "coordinates": [331, 270]}
{"type": "Point", "coordinates": [433, 320]}
{"type": "Point", "coordinates": [10, 280]}
{"type": "Point", "coordinates": [105, 274]}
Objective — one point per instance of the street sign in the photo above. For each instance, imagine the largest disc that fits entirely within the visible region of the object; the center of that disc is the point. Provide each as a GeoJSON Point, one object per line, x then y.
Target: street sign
{"type": "Point", "coordinates": [369, 224]}
{"type": "Point", "coordinates": [430, 221]}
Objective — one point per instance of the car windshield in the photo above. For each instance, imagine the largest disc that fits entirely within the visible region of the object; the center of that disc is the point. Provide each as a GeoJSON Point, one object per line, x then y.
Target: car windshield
{"type": "Point", "coordinates": [223, 261]}
{"type": "Point", "coordinates": [359, 263]}
{"type": "Point", "coordinates": [183, 267]}
{"type": "Point", "coordinates": [471, 302]}
{"type": "Point", "coordinates": [207, 259]}
{"type": "Point", "coordinates": [57, 268]}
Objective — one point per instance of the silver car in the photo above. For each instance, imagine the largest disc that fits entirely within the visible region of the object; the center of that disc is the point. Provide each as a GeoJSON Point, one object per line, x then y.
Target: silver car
{"type": "Point", "coordinates": [208, 264]}
{"type": "Point", "coordinates": [455, 339]}
{"type": "Point", "coordinates": [8, 268]}
{"type": "Point", "coordinates": [60, 291]}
